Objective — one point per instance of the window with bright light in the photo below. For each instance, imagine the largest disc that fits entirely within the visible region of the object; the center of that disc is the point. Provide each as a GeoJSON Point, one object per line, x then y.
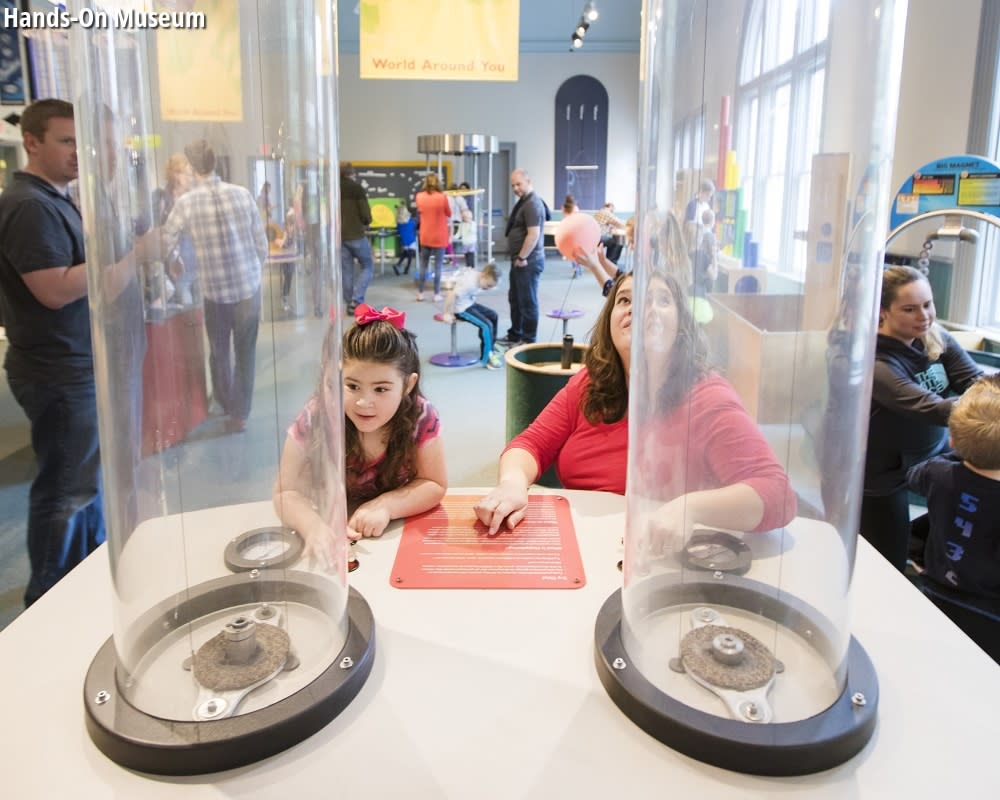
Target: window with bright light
{"type": "Point", "coordinates": [779, 106]}
{"type": "Point", "coordinates": [689, 142]}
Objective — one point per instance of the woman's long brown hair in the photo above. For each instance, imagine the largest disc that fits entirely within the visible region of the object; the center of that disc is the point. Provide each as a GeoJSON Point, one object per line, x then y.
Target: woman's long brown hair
{"type": "Point", "coordinates": [606, 399]}
{"type": "Point", "coordinates": [894, 279]}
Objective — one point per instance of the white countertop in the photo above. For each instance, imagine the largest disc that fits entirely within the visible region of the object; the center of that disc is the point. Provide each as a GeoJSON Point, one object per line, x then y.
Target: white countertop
{"type": "Point", "coordinates": [494, 694]}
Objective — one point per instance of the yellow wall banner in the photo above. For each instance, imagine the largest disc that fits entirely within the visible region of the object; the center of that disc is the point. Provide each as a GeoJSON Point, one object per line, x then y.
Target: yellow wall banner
{"type": "Point", "coordinates": [200, 70]}
{"type": "Point", "coordinates": [449, 40]}
{"type": "Point", "coordinates": [324, 43]}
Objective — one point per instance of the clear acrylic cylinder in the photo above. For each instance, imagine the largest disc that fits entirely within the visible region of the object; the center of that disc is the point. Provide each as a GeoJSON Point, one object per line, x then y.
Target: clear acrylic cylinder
{"type": "Point", "coordinates": [749, 384]}
{"type": "Point", "coordinates": [208, 153]}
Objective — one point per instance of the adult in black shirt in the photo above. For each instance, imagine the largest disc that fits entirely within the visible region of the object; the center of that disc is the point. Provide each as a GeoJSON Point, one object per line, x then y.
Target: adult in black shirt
{"type": "Point", "coordinates": [43, 295]}
{"type": "Point", "coordinates": [527, 253]}
{"type": "Point", "coordinates": [919, 372]}
{"type": "Point", "coordinates": [355, 217]}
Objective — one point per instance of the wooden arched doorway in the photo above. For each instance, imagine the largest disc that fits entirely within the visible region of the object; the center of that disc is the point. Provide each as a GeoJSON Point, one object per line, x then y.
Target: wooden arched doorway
{"type": "Point", "coordinates": [581, 136]}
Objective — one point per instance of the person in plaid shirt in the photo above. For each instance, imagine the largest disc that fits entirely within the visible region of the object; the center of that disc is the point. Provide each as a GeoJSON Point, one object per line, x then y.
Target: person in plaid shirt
{"type": "Point", "coordinates": [230, 247]}
{"type": "Point", "coordinates": [611, 231]}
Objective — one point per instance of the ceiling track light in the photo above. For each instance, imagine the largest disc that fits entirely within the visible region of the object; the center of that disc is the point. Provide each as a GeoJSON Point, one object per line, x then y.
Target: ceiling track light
{"type": "Point", "coordinates": [589, 15]}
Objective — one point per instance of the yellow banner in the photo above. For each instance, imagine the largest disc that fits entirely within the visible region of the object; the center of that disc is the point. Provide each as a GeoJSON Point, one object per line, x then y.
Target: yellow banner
{"type": "Point", "coordinates": [324, 38]}
{"type": "Point", "coordinates": [449, 40]}
{"type": "Point", "coordinates": [200, 70]}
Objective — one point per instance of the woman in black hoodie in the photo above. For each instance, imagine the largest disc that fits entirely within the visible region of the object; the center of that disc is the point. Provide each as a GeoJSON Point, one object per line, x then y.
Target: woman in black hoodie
{"type": "Point", "coordinates": [919, 371]}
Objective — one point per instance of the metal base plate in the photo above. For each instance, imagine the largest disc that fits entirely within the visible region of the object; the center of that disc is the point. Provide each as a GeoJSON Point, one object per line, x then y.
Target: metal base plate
{"type": "Point", "coordinates": [264, 548]}
{"type": "Point", "coordinates": [716, 551]}
{"type": "Point", "coordinates": [139, 741]}
{"type": "Point", "coordinates": [786, 748]}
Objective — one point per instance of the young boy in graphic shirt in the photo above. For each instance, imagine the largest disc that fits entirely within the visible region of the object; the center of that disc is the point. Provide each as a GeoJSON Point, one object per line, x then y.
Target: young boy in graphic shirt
{"type": "Point", "coordinates": [963, 496]}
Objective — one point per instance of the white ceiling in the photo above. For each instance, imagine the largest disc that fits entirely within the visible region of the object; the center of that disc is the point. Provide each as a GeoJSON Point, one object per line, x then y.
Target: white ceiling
{"type": "Point", "coordinates": [546, 26]}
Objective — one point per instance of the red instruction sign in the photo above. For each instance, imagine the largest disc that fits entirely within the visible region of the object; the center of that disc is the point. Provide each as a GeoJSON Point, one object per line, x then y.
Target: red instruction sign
{"type": "Point", "coordinates": [448, 548]}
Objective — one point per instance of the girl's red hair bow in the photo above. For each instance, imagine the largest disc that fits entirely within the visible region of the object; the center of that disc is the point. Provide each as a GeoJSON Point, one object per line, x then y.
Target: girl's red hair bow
{"type": "Point", "coordinates": [364, 314]}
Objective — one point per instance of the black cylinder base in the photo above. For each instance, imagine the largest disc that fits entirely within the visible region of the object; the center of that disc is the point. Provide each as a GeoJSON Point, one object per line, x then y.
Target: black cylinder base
{"type": "Point", "coordinates": [786, 748]}
{"type": "Point", "coordinates": [142, 742]}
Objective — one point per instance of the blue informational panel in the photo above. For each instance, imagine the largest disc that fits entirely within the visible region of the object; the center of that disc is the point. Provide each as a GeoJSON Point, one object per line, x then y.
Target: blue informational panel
{"type": "Point", "coordinates": [959, 183]}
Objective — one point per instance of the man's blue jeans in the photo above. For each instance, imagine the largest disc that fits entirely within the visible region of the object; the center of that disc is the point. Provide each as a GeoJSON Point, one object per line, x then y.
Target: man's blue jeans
{"type": "Point", "coordinates": [65, 514]}
{"type": "Point", "coordinates": [485, 320]}
{"type": "Point", "coordinates": [360, 249]}
{"type": "Point", "coordinates": [523, 297]}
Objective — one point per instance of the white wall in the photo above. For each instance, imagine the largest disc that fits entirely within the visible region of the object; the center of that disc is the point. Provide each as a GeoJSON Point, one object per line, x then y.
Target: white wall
{"type": "Point", "coordinates": [935, 95]}
{"type": "Point", "coordinates": [380, 120]}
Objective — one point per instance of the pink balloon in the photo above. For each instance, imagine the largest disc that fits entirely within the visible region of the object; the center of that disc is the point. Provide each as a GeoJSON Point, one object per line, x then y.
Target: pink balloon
{"type": "Point", "coordinates": [577, 230]}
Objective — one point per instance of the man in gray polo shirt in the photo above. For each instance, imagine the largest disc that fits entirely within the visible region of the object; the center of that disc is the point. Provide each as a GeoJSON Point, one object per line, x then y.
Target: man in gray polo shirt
{"type": "Point", "coordinates": [526, 246]}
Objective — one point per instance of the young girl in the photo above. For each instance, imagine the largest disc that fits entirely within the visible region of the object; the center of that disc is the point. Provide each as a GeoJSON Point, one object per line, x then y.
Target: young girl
{"type": "Point", "coordinates": [406, 229]}
{"type": "Point", "coordinates": [465, 239]}
{"type": "Point", "coordinates": [393, 453]}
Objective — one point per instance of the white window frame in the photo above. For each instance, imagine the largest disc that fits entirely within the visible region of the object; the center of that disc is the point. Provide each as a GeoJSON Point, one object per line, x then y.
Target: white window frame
{"type": "Point", "coordinates": [785, 254]}
{"type": "Point", "coordinates": [689, 141]}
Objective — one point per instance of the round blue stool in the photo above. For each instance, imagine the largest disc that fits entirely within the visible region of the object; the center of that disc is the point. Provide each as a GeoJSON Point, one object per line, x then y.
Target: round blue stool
{"type": "Point", "coordinates": [453, 358]}
{"type": "Point", "coordinates": [565, 314]}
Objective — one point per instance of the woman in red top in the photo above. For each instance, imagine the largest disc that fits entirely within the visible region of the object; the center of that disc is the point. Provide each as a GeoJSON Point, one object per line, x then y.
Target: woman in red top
{"type": "Point", "coordinates": [435, 232]}
{"type": "Point", "coordinates": [725, 475]}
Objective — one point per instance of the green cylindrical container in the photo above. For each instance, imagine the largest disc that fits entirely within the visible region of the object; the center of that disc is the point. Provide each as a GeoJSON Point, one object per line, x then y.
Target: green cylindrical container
{"type": "Point", "coordinates": [534, 375]}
